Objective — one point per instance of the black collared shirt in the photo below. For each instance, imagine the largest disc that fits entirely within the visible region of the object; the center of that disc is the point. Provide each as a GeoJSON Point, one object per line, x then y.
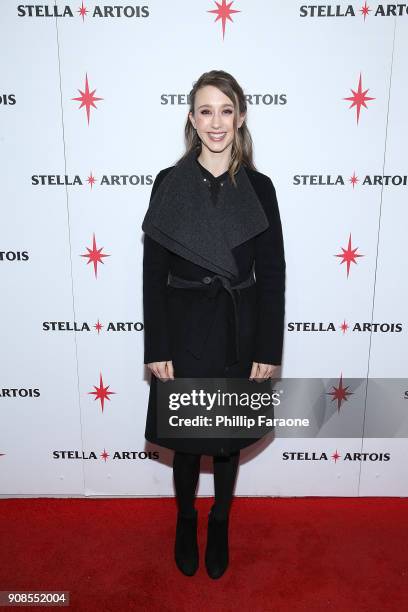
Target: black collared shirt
{"type": "Point", "coordinates": [215, 183]}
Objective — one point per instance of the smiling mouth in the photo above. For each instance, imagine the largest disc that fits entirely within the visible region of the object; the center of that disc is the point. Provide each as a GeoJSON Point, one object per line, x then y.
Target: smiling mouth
{"type": "Point", "coordinates": [216, 135]}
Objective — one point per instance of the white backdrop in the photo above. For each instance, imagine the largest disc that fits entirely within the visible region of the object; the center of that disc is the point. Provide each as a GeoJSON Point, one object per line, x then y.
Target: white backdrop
{"type": "Point", "coordinates": [297, 65]}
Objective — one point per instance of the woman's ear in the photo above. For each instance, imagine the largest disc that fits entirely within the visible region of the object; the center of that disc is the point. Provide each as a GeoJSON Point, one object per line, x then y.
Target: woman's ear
{"type": "Point", "coordinates": [190, 116]}
{"type": "Point", "coordinates": [241, 119]}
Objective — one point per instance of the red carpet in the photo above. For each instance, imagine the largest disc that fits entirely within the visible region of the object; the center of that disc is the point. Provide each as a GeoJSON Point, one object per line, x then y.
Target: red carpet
{"type": "Point", "coordinates": [286, 554]}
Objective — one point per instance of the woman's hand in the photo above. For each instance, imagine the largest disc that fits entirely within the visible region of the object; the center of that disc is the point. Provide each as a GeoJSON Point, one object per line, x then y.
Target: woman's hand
{"type": "Point", "coordinates": [162, 370]}
{"type": "Point", "coordinates": [262, 371]}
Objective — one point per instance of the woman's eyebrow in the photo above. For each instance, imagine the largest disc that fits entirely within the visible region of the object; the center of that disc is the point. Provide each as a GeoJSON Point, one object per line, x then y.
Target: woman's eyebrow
{"type": "Point", "coordinates": [202, 105]}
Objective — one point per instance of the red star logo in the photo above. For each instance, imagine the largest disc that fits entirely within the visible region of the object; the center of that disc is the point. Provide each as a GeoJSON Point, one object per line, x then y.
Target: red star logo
{"type": "Point", "coordinates": [94, 255]}
{"type": "Point", "coordinates": [365, 10]}
{"type": "Point", "coordinates": [353, 179]}
{"type": "Point", "coordinates": [105, 455]}
{"type": "Point", "coordinates": [224, 12]}
{"type": "Point", "coordinates": [101, 393]}
{"type": "Point", "coordinates": [349, 255]}
{"type": "Point", "coordinates": [82, 12]}
{"type": "Point", "coordinates": [359, 98]}
{"type": "Point", "coordinates": [336, 456]}
{"type": "Point", "coordinates": [98, 326]}
{"type": "Point", "coordinates": [344, 327]}
{"type": "Point", "coordinates": [339, 393]}
{"type": "Point", "coordinates": [87, 98]}
{"type": "Point", "coordinates": [91, 180]}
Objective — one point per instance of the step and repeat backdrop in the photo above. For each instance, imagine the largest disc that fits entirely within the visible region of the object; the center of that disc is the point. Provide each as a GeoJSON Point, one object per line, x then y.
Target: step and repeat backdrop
{"type": "Point", "coordinates": [93, 101]}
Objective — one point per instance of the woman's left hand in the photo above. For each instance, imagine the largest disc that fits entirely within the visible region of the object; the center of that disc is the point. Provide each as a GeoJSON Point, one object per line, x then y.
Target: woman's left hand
{"type": "Point", "coordinates": [262, 371]}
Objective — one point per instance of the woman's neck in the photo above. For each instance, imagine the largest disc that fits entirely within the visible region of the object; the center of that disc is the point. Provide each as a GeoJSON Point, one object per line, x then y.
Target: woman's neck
{"type": "Point", "coordinates": [216, 165]}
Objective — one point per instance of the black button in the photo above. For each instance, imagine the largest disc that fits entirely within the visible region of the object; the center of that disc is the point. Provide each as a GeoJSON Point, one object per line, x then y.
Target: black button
{"type": "Point", "coordinates": [207, 280]}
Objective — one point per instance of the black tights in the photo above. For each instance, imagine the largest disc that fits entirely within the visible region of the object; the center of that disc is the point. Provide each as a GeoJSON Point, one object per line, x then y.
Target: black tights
{"type": "Point", "coordinates": [186, 469]}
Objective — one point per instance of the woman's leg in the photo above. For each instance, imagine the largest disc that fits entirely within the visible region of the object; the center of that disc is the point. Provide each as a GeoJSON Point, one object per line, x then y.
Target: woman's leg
{"type": "Point", "coordinates": [225, 472]}
{"type": "Point", "coordinates": [216, 553]}
{"type": "Point", "coordinates": [186, 470]}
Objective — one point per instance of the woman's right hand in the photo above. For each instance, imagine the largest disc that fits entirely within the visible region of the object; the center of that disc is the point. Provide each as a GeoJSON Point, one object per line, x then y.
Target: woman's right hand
{"type": "Point", "coordinates": [162, 370]}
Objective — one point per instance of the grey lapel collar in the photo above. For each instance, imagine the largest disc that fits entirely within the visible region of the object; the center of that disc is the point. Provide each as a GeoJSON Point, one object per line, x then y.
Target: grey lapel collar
{"type": "Point", "coordinates": [182, 217]}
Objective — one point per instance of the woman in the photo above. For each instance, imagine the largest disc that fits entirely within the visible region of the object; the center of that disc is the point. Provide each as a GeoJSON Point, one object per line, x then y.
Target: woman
{"type": "Point", "coordinates": [213, 220]}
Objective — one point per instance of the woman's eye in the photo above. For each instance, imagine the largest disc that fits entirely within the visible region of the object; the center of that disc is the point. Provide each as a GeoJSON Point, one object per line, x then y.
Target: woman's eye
{"type": "Point", "coordinates": [227, 110]}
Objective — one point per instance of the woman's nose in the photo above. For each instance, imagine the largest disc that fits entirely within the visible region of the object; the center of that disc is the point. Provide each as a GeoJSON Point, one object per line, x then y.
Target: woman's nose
{"type": "Point", "coordinates": [216, 121]}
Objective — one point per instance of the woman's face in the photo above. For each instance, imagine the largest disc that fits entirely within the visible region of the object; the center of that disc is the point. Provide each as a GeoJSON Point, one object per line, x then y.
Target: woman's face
{"type": "Point", "coordinates": [214, 118]}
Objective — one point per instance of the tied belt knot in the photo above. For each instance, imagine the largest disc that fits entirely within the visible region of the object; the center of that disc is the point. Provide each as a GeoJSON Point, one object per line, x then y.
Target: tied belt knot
{"type": "Point", "coordinates": [205, 311]}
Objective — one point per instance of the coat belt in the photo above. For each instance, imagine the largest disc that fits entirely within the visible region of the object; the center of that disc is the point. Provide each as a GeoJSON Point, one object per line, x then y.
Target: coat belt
{"type": "Point", "coordinates": [205, 312]}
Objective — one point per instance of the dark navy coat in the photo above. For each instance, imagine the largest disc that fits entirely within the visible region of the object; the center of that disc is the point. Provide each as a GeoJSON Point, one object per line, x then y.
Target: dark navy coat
{"type": "Point", "coordinates": [172, 315]}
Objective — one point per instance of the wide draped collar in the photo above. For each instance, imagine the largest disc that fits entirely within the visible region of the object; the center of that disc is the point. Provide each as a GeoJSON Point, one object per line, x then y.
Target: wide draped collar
{"type": "Point", "coordinates": [182, 218]}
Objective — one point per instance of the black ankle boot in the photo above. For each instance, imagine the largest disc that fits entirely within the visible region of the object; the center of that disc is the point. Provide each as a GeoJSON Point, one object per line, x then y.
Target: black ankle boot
{"type": "Point", "coordinates": [216, 554]}
{"type": "Point", "coordinates": [186, 547]}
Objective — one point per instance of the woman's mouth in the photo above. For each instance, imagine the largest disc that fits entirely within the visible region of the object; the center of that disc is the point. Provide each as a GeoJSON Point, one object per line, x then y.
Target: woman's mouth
{"type": "Point", "coordinates": [216, 136]}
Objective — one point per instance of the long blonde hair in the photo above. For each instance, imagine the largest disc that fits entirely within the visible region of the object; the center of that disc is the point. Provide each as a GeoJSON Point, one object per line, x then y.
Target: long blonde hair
{"type": "Point", "coordinates": [242, 150]}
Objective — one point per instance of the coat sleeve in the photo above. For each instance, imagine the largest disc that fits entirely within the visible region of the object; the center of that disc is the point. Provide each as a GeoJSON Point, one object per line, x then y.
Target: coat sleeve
{"type": "Point", "coordinates": [155, 316]}
{"type": "Point", "coordinates": [270, 269]}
